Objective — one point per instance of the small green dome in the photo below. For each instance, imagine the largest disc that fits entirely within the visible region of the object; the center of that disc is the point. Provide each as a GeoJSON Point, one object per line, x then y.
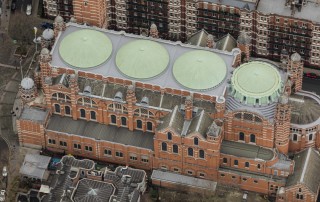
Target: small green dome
{"type": "Point", "coordinates": [256, 83]}
{"type": "Point", "coordinates": [142, 59]}
{"type": "Point", "coordinates": [199, 70]}
{"type": "Point", "coordinates": [85, 48]}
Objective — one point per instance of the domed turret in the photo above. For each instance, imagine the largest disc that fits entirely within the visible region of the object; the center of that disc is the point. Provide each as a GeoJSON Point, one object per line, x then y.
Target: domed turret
{"type": "Point", "coordinates": [295, 57]}
{"type": "Point", "coordinates": [283, 99]}
{"type": "Point", "coordinates": [27, 83]}
{"type": "Point", "coordinates": [244, 38]}
{"type": "Point", "coordinates": [58, 19]}
{"type": "Point", "coordinates": [73, 20]}
{"type": "Point", "coordinates": [27, 89]}
{"type": "Point", "coordinates": [48, 34]}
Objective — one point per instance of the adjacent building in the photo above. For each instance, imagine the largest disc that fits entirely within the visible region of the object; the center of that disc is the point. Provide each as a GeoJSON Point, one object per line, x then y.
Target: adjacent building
{"type": "Point", "coordinates": [194, 111]}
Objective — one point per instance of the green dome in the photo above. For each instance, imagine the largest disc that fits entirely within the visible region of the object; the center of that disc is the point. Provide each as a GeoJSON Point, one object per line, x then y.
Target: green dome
{"type": "Point", "coordinates": [85, 48]}
{"type": "Point", "coordinates": [142, 59]}
{"type": "Point", "coordinates": [199, 70]}
{"type": "Point", "coordinates": [256, 83]}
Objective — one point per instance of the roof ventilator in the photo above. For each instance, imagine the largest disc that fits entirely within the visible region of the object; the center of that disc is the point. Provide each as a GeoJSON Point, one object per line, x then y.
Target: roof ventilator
{"type": "Point", "coordinates": [145, 101]}
{"type": "Point", "coordinates": [118, 96]}
{"type": "Point", "coordinates": [87, 90]}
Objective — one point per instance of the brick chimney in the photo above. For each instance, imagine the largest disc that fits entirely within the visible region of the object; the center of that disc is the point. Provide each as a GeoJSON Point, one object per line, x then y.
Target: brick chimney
{"type": "Point", "coordinates": [131, 100]}
{"type": "Point", "coordinates": [210, 41]}
{"type": "Point", "coordinates": [154, 31]}
{"type": "Point", "coordinates": [188, 108]}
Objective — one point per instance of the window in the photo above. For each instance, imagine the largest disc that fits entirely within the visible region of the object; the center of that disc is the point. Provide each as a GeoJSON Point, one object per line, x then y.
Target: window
{"type": "Point", "coordinates": [169, 135]}
{"type": "Point", "coordinates": [201, 154]}
{"type": "Point", "coordinates": [88, 148]}
{"type": "Point", "coordinates": [252, 138]}
{"type": "Point", "coordinates": [82, 113]}
{"type": "Point", "coordinates": [144, 159]}
{"type": "Point", "coordinates": [93, 115]}
{"type": "Point", "coordinates": [107, 152]}
{"type": "Point", "coordinates": [255, 181]}
{"type": "Point", "coordinates": [246, 164]}
{"type": "Point", "coordinates": [310, 137]}
{"type": "Point", "coordinates": [175, 169]}
{"type": "Point", "coordinates": [52, 141]}
{"type": "Point", "coordinates": [149, 126]}
{"type": "Point", "coordinates": [113, 119]}
{"type": "Point", "coordinates": [139, 124]}
{"type": "Point", "coordinates": [190, 151]}
{"type": "Point", "coordinates": [119, 154]}
{"type": "Point", "coordinates": [295, 137]}
{"type": "Point", "coordinates": [67, 110]}
{"type": "Point", "coordinates": [222, 175]}
{"type": "Point", "coordinates": [196, 141]}
{"type": "Point", "coordinates": [175, 149]}
{"type": "Point", "coordinates": [225, 160]}
{"type": "Point", "coordinates": [57, 108]}
{"type": "Point", "coordinates": [241, 136]}
{"type": "Point", "coordinates": [133, 158]}
{"type": "Point", "coordinates": [62, 143]}
{"type": "Point", "coordinates": [77, 146]}
{"type": "Point", "coordinates": [164, 146]}
{"type": "Point", "coordinates": [244, 179]}
{"type": "Point", "coordinates": [233, 177]}
{"type": "Point", "coordinates": [189, 172]}
{"type": "Point", "coordinates": [123, 121]}
{"type": "Point", "coordinates": [235, 162]}
{"type": "Point", "coordinates": [202, 175]}
{"type": "Point", "coordinates": [259, 166]}
{"type": "Point", "coordinates": [299, 196]}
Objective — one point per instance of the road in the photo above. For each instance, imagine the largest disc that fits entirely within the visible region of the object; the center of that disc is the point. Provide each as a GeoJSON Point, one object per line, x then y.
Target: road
{"type": "Point", "coordinates": [312, 85]}
{"type": "Point", "coordinates": [4, 158]}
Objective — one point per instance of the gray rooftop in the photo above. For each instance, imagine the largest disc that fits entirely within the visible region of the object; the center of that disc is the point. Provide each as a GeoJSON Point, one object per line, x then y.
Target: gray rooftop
{"type": "Point", "coordinates": [34, 114]}
{"type": "Point", "coordinates": [102, 132]}
{"type": "Point", "coordinates": [73, 162]}
{"type": "Point", "coordinates": [309, 12]}
{"type": "Point", "coordinates": [246, 150]}
{"type": "Point", "coordinates": [35, 166]}
{"type": "Point", "coordinates": [183, 180]}
{"type": "Point", "coordinates": [236, 3]}
{"type": "Point", "coordinates": [199, 38]}
{"type": "Point", "coordinates": [306, 170]}
{"type": "Point", "coordinates": [165, 80]}
{"type": "Point", "coordinates": [226, 43]}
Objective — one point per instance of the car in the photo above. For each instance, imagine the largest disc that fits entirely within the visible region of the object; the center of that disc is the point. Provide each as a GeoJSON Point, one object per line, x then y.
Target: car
{"type": "Point", "coordinates": [46, 25]}
{"type": "Point", "coordinates": [311, 75]}
{"type": "Point", "coordinates": [29, 8]}
{"type": "Point", "coordinates": [4, 171]}
{"type": "Point", "coordinates": [2, 195]}
{"type": "Point", "coordinates": [13, 5]}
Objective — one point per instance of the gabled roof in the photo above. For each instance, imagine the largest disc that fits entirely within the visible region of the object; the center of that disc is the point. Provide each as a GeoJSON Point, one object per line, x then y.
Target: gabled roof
{"type": "Point", "coordinates": [174, 120]}
{"type": "Point", "coordinates": [61, 79]}
{"type": "Point", "coordinates": [200, 124]}
{"type": "Point", "coordinates": [226, 43]}
{"type": "Point", "coordinates": [199, 38]}
{"type": "Point", "coordinates": [306, 170]}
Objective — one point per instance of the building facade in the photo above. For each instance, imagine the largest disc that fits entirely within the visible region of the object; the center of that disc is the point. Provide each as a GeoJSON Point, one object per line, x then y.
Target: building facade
{"type": "Point", "coordinates": [237, 128]}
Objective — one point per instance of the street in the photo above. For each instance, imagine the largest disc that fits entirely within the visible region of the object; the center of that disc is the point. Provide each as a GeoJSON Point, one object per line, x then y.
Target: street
{"type": "Point", "coordinates": [312, 85]}
{"type": "Point", "coordinates": [4, 156]}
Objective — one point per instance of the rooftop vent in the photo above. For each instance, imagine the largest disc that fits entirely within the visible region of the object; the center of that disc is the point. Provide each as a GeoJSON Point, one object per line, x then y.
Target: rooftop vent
{"type": "Point", "coordinates": [145, 101]}
{"type": "Point", "coordinates": [118, 96]}
{"type": "Point", "coordinates": [87, 89]}
{"type": "Point", "coordinates": [126, 179]}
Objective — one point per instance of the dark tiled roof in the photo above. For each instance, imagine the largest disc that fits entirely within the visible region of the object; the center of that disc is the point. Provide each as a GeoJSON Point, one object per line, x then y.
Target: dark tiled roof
{"type": "Point", "coordinates": [111, 90]}
{"type": "Point", "coordinates": [200, 124]}
{"type": "Point", "coordinates": [199, 38]}
{"type": "Point", "coordinates": [153, 96]}
{"type": "Point", "coordinates": [246, 150]}
{"type": "Point", "coordinates": [206, 105]}
{"type": "Point", "coordinates": [96, 130]}
{"type": "Point", "coordinates": [306, 170]}
{"type": "Point", "coordinates": [174, 120]}
{"type": "Point", "coordinates": [169, 101]}
{"type": "Point", "coordinates": [73, 162]}
{"type": "Point", "coordinates": [96, 85]}
{"type": "Point", "coordinates": [226, 43]}
{"type": "Point", "coordinates": [93, 191]}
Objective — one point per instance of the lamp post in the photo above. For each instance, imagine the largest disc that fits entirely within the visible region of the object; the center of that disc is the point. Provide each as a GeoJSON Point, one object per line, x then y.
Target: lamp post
{"type": "Point", "coordinates": [35, 38]}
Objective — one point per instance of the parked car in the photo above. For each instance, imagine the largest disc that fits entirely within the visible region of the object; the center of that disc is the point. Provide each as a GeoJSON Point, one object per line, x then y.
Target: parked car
{"type": "Point", "coordinates": [13, 5]}
{"type": "Point", "coordinates": [311, 75]}
{"type": "Point", "coordinates": [29, 8]}
{"type": "Point", "coordinates": [2, 195]}
{"type": "Point", "coordinates": [4, 171]}
{"type": "Point", "coordinates": [46, 25]}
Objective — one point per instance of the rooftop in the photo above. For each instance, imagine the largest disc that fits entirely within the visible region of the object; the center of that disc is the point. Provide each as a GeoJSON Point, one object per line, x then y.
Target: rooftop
{"type": "Point", "coordinates": [248, 4]}
{"type": "Point", "coordinates": [34, 114]}
{"type": "Point", "coordinates": [35, 166]}
{"type": "Point", "coordinates": [308, 12]}
{"type": "Point", "coordinates": [162, 74]}
{"type": "Point", "coordinates": [73, 162]}
{"type": "Point", "coordinates": [94, 130]}
{"type": "Point", "coordinates": [246, 150]}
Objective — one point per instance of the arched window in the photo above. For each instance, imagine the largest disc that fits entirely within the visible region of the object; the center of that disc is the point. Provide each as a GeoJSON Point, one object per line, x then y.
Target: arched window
{"type": "Point", "coordinates": [164, 146]}
{"type": "Point", "coordinates": [235, 162]}
{"type": "Point", "coordinates": [295, 137]}
{"type": "Point", "coordinates": [201, 154]}
{"type": "Point", "coordinates": [246, 164]}
{"type": "Point", "coordinates": [149, 126]}
{"type": "Point", "coordinates": [175, 149]}
{"type": "Point", "coordinates": [93, 115]}
{"type": "Point", "coordinates": [113, 119]}
{"type": "Point", "coordinates": [241, 136]}
{"type": "Point", "coordinates": [67, 110]}
{"type": "Point", "coordinates": [169, 135]}
{"type": "Point", "coordinates": [310, 137]}
{"type": "Point", "coordinates": [196, 141]}
{"type": "Point", "coordinates": [139, 124]}
{"type": "Point", "coordinates": [259, 166]}
{"type": "Point", "coordinates": [225, 160]}
{"type": "Point", "coordinates": [252, 138]}
{"type": "Point", "coordinates": [124, 121]}
{"type": "Point", "coordinates": [190, 151]}
{"type": "Point", "coordinates": [82, 113]}
{"type": "Point", "coordinates": [57, 108]}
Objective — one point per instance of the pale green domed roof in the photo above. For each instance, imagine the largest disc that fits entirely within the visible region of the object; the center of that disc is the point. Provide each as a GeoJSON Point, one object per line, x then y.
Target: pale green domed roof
{"type": "Point", "coordinates": [199, 70]}
{"type": "Point", "coordinates": [256, 83]}
{"type": "Point", "coordinates": [85, 48]}
{"type": "Point", "coordinates": [142, 59]}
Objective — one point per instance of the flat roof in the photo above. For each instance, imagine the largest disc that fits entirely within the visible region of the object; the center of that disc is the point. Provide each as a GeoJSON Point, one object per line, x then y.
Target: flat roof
{"type": "Point", "coordinates": [246, 150]}
{"type": "Point", "coordinates": [236, 3]}
{"type": "Point", "coordinates": [308, 12]}
{"type": "Point", "coordinates": [85, 48]}
{"type": "Point", "coordinates": [91, 129]}
{"type": "Point", "coordinates": [164, 80]}
{"type": "Point", "coordinates": [34, 114]}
